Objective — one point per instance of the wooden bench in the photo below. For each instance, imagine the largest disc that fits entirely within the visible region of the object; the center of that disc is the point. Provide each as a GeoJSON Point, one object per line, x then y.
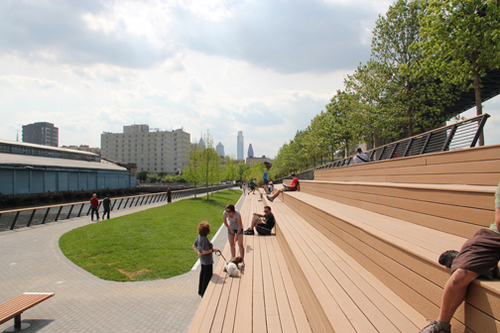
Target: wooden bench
{"type": "Point", "coordinates": [474, 166]}
{"type": "Point", "coordinates": [16, 306]}
{"type": "Point", "coordinates": [403, 255]}
{"type": "Point", "coordinates": [264, 299]}
{"type": "Point", "coordinates": [456, 209]}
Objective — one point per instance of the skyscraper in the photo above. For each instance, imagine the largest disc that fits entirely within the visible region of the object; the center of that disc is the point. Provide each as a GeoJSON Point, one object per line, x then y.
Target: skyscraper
{"type": "Point", "coordinates": [42, 134]}
{"type": "Point", "coordinates": [239, 146]}
{"type": "Point", "coordinates": [220, 149]}
{"type": "Point", "coordinates": [250, 151]}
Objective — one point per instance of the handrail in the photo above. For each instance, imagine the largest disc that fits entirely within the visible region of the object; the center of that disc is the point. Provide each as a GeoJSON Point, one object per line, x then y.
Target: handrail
{"type": "Point", "coordinates": [26, 217]}
{"type": "Point", "coordinates": [460, 135]}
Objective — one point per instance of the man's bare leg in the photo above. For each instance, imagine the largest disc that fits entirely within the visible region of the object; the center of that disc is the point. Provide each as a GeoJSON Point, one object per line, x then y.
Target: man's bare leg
{"type": "Point", "coordinates": [454, 292]}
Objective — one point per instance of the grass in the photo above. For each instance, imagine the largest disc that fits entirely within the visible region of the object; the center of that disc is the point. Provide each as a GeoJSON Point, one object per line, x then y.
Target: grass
{"type": "Point", "coordinates": [147, 245]}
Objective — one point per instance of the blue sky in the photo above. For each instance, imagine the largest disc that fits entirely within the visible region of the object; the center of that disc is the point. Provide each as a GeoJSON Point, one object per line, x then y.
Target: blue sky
{"type": "Point", "coordinates": [262, 67]}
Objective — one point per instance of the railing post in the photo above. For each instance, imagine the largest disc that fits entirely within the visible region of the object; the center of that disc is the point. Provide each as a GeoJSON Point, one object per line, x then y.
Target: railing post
{"type": "Point", "coordinates": [114, 203]}
{"type": "Point", "coordinates": [449, 138]}
{"type": "Point", "coordinates": [81, 208]}
{"type": "Point", "coordinates": [31, 217]}
{"type": "Point", "coordinates": [15, 221]}
{"type": "Point", "coordinates": [46, 214]}
{"type": "Point", "coordinates": [393, 150]}
{"type": "Point", "coordinates": [479, 131]}
{"type": "Point", "coordinates": [408, 147]}
{"type": "Point", "coordinates": [126, 202]}
{"type": "Point", "coordinates": [70, 210]}
{"type": "Point", "coordinates": [425, 143]}
{"type": "Point", "coordinates": [59, 212]}
{"type": "Point", "coordinates": [381, 153]}
{"type": "Point", "coordinates": [120, 204]}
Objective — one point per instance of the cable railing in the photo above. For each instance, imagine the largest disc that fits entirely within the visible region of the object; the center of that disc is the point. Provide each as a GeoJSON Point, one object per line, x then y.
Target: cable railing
{"type": "Point", "coordinates": [27, 217]}
{"type": "Point", "coordinates": [461, 135]}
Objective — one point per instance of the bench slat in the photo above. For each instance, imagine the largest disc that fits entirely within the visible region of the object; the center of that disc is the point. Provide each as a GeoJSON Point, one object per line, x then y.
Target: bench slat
{"type": "Point", "coordinates": [21, 303]}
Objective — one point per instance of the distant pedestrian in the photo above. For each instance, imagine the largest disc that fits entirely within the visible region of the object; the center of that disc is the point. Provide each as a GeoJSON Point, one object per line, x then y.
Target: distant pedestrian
{"type": "Point", "coordinates": [106, 206]}
{"type": "Point", "coordinates": [94, 207]}
{"type": "Point", "coordinates": [360, 157]}
{"type": "Point", "coordinates": [266, 176]}
{"type": "Point", "coordinates": [169, 195]}
{"type": "Point", "coordinates": [204, 248]}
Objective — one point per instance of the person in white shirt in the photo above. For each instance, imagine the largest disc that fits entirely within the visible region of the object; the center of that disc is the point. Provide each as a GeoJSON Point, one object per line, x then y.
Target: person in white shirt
{"type": "Point", "coordinates": [360, 157]}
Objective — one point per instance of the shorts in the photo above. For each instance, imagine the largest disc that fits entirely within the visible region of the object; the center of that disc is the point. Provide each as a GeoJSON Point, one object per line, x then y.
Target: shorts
{"type": "Point", "coordinates": [266, 181]}
{"type": "Point", "coordinates": [288, 188]}
{"type": "Point", "coordinates": [229, 232]}
{"type": "Point", "coordinates": [262, 229]}
{"type": "Point", "coordinates": [479, 254]}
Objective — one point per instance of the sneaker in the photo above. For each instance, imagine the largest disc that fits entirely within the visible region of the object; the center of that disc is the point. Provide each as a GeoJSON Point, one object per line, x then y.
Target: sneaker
{"type": "Point", "coordinates": [435, 327]}
{"type": "Point", "coordinates": [249, 232]}
{"type": "Point", "coordinates": [446, 258]}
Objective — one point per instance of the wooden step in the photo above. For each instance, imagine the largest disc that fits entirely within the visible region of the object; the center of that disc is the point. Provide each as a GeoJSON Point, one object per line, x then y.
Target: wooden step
{"type": "Point", "coordinates": [401, 254]}
{"type": "Point", "coordinates": [457, 209]}
{"type": "Point", "coordinates": [338, 293]}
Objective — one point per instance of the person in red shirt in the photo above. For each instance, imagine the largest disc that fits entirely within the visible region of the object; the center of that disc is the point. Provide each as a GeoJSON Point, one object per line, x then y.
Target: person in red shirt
{"type": "Point", "coordinates": [94, 207]}
{"type": "Point", "coordinates": [292, 187]}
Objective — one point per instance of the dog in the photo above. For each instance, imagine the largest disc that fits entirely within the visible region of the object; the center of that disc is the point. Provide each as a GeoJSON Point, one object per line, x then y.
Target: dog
{"type": "Point", "coordinates": [233, 267]}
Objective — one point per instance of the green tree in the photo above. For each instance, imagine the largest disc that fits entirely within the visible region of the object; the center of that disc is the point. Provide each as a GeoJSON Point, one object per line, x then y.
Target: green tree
{"type": "Point", "coordinates": [241, 167]}
{"type": "Point", "coordinates": [461, 42]}
{"type": "Point", "coordinates": [193, 171]}
{"type": "Point", "coordinates": [142, 176]}
{"type": "Point", "coordinates": [402, 89]}
{"type": "Point", "coordinates": [210, 163]}
{"type": "Point", "coordinates": [230, 170]}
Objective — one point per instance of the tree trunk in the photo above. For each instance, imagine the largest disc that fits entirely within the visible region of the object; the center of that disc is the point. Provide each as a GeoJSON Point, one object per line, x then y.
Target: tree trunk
{"type": "Point", "coordinates": [409, 112]}
{"type": "Point", "coordinates": [479, 102]}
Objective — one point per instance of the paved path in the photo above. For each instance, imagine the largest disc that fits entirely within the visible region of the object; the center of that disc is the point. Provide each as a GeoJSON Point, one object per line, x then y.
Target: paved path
{"type": "Point", "coordinates": [30, 260]}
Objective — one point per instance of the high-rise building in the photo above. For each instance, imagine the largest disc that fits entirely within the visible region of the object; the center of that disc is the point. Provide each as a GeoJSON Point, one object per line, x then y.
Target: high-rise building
{"type": "Point", "coordinates": [250, 151]}
{"type": "Point", "coordinates": [239, 146]}
{"type": "Point", "coordinates": [152, 151]}
{"type": "Point", "coordinates": [41, 133]}
{"type": "Point", "coordinates": [220, 149]}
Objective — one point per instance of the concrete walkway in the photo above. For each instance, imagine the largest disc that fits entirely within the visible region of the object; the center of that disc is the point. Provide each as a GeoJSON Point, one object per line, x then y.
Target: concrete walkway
{"type": "Point", "coordinates": [31, 261]}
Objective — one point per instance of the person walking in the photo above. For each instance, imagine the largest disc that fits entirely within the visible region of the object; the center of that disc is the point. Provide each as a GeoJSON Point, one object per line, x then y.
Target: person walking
{"type": "Point", "coordinates": [94, 207]}
{"type": "Point", "coordinates": [106, 206]}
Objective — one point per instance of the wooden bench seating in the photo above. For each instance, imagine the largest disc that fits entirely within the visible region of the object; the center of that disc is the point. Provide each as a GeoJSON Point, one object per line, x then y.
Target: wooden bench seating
{"type": "Point", "coordinates": [338, 293]}
{"type": "Point", "coordinates": [264, 299]}
{"type": "Point", "coordinates": [16, 306]}
{"type": "Point", "coordinates": [401, 254]}
{"type": "Point", "coordinates": [456, 209]}
{"type": "Point", "coordinates": [474, 166]}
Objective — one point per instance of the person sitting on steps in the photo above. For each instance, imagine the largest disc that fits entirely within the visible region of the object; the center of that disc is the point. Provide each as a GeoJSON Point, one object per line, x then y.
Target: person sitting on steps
{"type": "Point", "coordinates": [262, 227]}
{"type": "Point", "coordinates": [478, 256]}
{"type": "Point", "coordinates": [292, 187]}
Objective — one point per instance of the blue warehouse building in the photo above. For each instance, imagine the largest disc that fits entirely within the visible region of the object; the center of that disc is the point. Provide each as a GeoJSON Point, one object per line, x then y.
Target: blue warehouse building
{"type": "Point", "coordinates": [32, 168]}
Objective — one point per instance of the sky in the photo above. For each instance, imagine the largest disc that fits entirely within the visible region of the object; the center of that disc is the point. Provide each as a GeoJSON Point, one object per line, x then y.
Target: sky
{"type": "Point", "coordinates": [264, 67]}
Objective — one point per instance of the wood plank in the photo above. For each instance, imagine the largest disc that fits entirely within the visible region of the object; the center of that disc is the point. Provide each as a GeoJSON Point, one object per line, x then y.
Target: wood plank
{"type": "Point", "coordinates": [271, 303]}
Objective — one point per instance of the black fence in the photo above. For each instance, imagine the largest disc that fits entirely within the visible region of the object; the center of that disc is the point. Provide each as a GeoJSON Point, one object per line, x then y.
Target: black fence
{"type": "Point", "coordinates": [14, 219]}
{"type": "Point", "coordinates": [463, 134]}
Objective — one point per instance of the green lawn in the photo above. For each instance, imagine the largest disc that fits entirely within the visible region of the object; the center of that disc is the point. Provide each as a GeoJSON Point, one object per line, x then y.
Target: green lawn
{"type": "Point", "coordinates": [148, 245]}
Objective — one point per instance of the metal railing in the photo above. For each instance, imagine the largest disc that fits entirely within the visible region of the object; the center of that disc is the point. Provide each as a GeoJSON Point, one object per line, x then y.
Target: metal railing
{"type": "Point", "coordinates": [20, 218]}
{"type": "Point", "coordinates": [463, 134]}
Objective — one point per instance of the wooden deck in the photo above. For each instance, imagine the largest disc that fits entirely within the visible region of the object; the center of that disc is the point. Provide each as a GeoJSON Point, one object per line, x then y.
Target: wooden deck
{"type": "Point", "coordinates": [356, 250]}
{"type": "Point", "coordinates": [264, 299]}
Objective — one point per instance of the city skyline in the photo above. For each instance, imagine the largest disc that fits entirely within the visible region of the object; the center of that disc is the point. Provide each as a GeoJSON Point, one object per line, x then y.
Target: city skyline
{"type": "Point", "coordinates": [223, 66]}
